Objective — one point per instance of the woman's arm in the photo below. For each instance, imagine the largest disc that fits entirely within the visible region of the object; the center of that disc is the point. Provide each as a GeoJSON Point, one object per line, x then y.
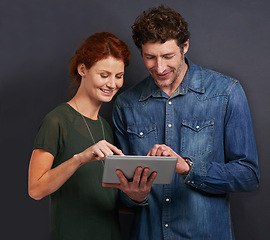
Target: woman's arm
{"type": "Point", "coordinates": [43, 180]}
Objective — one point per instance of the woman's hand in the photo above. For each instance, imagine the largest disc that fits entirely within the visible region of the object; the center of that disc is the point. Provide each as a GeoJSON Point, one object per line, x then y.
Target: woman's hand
{"type": "Point", "coordinates": [98, 151]}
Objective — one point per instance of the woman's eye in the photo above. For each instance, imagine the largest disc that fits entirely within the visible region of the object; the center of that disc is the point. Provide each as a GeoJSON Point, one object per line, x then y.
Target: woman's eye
{"type": "Point", "coordinates": [119, 76]}
{"type": "Point", "coordinates": [103, 75]}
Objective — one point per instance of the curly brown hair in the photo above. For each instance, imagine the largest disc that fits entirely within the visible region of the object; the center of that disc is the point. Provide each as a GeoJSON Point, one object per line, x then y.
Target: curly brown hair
{"type": "Point", "coordinates": [95, 48]}
{"type": "Point", "coordinates": [160, 24]}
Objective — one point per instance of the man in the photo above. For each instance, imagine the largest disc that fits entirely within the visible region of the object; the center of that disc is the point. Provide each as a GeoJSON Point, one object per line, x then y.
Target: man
{"type": "Point", "coordinates": [196, 114]}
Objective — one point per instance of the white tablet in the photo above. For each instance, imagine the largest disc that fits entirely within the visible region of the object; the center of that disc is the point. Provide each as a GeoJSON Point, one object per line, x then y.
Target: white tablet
{"type": "Point", "coordinates": [164, 166]}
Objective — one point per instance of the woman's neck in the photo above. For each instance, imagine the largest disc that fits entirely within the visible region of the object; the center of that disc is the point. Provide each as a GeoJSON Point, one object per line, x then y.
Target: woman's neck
{"type": "Point", "coordinates": [85, 107]}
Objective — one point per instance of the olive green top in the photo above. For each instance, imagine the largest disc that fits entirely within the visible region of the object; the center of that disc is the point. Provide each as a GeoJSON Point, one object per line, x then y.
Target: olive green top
{"type": "Point", "coordinates": [81, 208]}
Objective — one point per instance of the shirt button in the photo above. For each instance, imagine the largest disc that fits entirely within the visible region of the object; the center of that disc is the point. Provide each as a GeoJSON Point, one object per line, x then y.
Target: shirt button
{"type": "Point", "coordinates": [166, 225]}
{"type": "Point", "coordinates": [169, 125]}
{"type": "Point", "coordinates": [170, 102]}
{"type": "Point", "coordinates": [141, 133]}
{"type": "Point", "coordinates": [197, 127]}
{"type": "Point", "coordinates": [167, 200]}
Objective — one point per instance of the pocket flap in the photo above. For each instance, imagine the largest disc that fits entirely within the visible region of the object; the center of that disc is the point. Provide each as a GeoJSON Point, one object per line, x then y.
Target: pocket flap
{"type": "Point", "coordinates": [198, 124]}
{"type": "Point", "coordinates": [141, 130]}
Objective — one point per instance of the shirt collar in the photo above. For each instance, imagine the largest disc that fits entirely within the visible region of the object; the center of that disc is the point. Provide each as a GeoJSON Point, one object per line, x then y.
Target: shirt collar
{"type": "Point", "coordinates": [195, 77]}
{"type": "Point", "coordinates": [193, 80]}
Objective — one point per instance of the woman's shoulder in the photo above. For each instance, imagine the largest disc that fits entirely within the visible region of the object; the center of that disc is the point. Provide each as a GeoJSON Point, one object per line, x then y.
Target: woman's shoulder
{"type": "Point", "coordinates": [62, 113]}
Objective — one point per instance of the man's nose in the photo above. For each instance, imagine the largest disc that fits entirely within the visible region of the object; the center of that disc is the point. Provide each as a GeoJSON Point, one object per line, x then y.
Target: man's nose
{"type": "Point", "coordinates": [160, 65]}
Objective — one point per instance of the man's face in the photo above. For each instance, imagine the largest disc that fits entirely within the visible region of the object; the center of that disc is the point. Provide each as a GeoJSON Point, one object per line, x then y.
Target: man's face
{"type": "Point", "coordinates": [165, 63]}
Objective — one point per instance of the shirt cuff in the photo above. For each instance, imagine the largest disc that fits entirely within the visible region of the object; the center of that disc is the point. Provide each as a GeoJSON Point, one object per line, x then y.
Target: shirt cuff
{"type": "Point", "coordinates": [131, 203]}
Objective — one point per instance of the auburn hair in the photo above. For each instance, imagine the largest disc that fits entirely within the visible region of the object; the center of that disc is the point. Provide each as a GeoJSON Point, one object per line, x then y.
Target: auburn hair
{"type": "Point", "coordinates": [95, 48]}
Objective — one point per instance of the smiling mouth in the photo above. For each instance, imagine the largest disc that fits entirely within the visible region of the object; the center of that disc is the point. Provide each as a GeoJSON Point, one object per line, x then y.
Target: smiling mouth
{"type": "Point", "coordinates": [107, 91]}
{"type": "Point", "coordinates": [164, 75]}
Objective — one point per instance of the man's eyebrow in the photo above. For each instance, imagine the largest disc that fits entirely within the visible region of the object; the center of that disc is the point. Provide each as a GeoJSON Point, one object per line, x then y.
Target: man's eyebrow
{"type": "Point", "coordinates": [148, 54]}
{"type": "Point", "coordinates": [165, 54]}
{"type": "Point", "coordinates": [168, 54]}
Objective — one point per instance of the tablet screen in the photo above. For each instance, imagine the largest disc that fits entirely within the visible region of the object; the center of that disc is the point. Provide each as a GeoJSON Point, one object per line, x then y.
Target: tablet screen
{"type": "Point", "coordinates": [164, 166]}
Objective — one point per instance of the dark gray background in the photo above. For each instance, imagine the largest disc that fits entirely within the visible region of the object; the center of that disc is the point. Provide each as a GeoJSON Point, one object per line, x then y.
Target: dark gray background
{"type": "Point", "coordinates": [37, 39]}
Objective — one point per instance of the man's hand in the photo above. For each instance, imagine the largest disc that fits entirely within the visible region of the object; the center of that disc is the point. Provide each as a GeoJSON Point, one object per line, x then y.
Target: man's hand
{"type": "Point", "coordinates": [139, 188]}
{"type": "Point", "coordinates": [163, 150]}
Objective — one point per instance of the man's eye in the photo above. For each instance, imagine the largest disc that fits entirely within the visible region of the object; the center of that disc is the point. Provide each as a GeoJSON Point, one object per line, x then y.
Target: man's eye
{"type": "Point", "coordinates": [103, 75]}
{"type": "Point", "coordinates": [168, 57]}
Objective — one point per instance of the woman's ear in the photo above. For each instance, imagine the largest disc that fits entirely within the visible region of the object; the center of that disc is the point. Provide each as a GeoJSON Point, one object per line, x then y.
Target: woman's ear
{"type": "Point", "coordinates": [81, 68]}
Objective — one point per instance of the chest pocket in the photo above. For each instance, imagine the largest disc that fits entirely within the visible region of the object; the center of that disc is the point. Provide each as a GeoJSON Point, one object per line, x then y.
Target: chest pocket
{"type": "Point", "coordinates": [197, 136]}
{"type": "Point", "coordinates": [142, 138]}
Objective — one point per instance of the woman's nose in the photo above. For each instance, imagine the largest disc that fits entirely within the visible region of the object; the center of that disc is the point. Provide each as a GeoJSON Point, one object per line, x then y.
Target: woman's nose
{"type": "Point", "coordinates": [111, 83]}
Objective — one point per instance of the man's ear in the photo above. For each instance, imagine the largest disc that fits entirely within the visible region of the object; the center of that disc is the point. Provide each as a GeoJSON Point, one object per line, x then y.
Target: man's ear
{"type": "Point", "coordinates": [186, 47]}
{"type": "Point", "coordinates": [81, 68]}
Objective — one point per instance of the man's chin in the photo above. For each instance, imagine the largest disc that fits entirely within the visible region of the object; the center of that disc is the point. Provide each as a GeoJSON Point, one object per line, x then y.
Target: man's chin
{"type": "Point", "coordinates": [163, 83]}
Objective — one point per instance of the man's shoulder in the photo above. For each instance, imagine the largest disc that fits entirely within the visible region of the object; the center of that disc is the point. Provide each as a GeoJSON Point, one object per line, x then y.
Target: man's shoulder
{"type": "Point", "coordinates": [210, 74]}
{"type": "Point", "coordinates": [213, 82]}
{"type": "Point", "coordinates": [134, 92]}
{"type": "Point", "coordinates": [218, 82]}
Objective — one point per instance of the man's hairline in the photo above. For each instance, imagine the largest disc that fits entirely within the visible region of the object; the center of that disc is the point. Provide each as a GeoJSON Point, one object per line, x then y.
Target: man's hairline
{"type": "Point", "coordinates": [181, 48]}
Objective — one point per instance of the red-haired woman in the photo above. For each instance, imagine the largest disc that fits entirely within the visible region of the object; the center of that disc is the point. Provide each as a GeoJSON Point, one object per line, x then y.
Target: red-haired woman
{"type": "Point", "coordinates": [67, 160]}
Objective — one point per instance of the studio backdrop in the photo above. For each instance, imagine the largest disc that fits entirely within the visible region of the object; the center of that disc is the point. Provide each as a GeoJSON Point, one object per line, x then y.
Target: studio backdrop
{"type": "Point", "coordinates": [37, 40]}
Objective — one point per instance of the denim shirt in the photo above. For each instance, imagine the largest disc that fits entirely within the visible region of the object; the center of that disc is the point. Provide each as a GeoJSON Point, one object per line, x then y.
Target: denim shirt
{"type": "Point", "coordinates": [206, 119]}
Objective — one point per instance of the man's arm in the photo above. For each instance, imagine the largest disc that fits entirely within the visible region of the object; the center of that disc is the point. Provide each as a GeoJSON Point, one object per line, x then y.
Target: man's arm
{"type": "Point", "coordinates": [240, 170]}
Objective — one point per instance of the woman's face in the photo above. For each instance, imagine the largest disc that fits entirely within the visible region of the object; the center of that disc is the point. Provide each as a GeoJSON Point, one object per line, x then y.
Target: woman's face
{"type": "Point", "coordinates": [102, 81]}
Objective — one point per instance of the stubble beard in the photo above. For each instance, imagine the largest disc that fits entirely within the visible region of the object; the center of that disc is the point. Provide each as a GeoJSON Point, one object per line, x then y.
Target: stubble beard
{"type": "Point", "coordinates": [175, 77]}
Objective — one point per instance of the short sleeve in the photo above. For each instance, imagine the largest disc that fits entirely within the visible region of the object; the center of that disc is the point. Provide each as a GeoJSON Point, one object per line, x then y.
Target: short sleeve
{"type": "Point", "coordinates": [48, 136]}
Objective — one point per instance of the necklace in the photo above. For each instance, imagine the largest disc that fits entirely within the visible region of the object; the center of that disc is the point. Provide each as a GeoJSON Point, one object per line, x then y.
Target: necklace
{"type": "Point", "coordinates": [90, 133]}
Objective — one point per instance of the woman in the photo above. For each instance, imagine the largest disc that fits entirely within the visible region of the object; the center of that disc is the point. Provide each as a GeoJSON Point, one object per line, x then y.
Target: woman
{"type": "Point", "coordinates": [72, 142]}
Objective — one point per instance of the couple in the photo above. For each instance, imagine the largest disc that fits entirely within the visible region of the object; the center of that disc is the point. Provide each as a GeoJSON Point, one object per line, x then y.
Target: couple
{"type": "Point", "coordinates": [198, 115]}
